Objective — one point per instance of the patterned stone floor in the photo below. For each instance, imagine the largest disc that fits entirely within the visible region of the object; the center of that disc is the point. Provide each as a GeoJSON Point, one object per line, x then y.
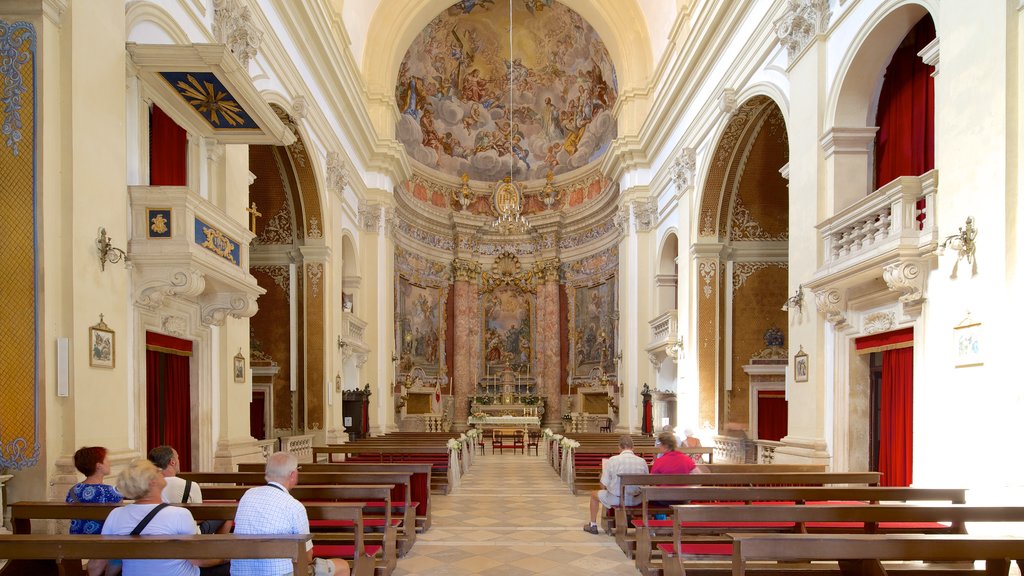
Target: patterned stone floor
{"type": "Point", "coordinates": [512, 516]}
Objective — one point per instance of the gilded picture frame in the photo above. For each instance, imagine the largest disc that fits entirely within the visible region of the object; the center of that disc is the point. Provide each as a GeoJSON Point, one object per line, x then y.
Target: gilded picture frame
{"type": "Point", "coordinates": [801, 366]}
{"type": "Point", "coordinates": [238, 367]}
{"type": "Point", "coordinates": [101, 345]}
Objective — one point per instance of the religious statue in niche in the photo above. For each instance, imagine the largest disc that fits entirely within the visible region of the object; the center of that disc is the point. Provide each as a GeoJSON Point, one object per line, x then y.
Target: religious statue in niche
{"type": "Point", "coordinates": [507, 334]}
{"type": "Point", "coordinates": [594, 343]}
{"type": "Point", "coordinates": [419, 326]}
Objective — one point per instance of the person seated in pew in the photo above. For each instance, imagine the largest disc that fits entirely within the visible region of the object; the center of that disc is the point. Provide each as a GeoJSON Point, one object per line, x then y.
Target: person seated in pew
{"type": "Point", "coordinates": [692, 441]}
{"type": "Point", "coordinates": [670, 460]}
{"type": "Point", "coordinates": [93, 462]}
{"type": "Point", "coordinates": [626, 462]}
{"type": "Point", "coordinates": [178, 490]}
{"type": "Point", "coordinates": [148, 515]}
{"type": "Point", "coordinates": [271, 509]}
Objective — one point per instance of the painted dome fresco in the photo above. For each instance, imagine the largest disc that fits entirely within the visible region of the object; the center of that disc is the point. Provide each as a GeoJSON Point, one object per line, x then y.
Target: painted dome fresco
{"type": "Point", "coordinates": [453, 91]}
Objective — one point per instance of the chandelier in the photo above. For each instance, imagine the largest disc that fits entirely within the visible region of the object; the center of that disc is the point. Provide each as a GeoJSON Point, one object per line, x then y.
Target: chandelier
{"type": "Point", "coordinates": [508, 196]}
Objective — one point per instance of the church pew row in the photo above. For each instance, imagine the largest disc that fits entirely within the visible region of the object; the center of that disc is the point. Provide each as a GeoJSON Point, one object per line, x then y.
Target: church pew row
{"type": "Point", "coordinates": [351, 546]}
{"type": "Point", "coordinates": [864, 553]}
{"type": "Point", "coordinates": [436, 456]}
{"type": "Point", "coordinates": [400, 504]}
{"type": "Point", "coordinates": [616, 521]}
{"type": "Point", "coordinates": [701, 531]}
{"type": "Point", "coordinates": [53, 555]}
{"type": "Point", "coordinates": [648, 532]}
{"type": "Point", "coordinates": [420, 481]}
{"type": "Point", "coordinates": [587, 462]}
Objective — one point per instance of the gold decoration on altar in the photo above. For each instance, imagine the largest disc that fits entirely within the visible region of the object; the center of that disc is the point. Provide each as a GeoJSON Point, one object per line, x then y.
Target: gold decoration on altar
{"type": "Point", "coordinates": [506, 272]}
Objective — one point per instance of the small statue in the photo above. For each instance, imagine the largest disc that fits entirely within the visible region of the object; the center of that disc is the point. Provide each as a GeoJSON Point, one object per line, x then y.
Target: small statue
{"type": "Point", "coordinates": [366, 390]}
{"type": "Point", "coordinates": [646, 391]}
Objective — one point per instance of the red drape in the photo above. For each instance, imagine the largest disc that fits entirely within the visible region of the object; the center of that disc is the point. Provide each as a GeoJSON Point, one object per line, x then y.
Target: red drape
{"type": "Point", "coordinates": [365, 425]}
{"type": "Point", "coordinates": [896, 445]}
{"type": "Point", "coordinates": [257, 425]}
{"type": "Point", "coordinates": [647, 427]}
{"type": "Point", "coordinates": [168, 152]}
{"type": "Point", "coordinates": [168, 398]}
{"type": "Point", "coordinates": [772, 415]}
{"type": "Point", "coordinates": [905, 142]}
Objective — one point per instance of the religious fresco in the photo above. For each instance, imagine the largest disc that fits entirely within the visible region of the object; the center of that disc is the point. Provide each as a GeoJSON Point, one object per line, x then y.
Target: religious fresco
{"type": "Point", "coordinates": [594, 327]}
{"type": "Point", "coordinates": [454, 91]}
{"type": "Point", "coordinates": [508, 330]}
{"type": "Point", "coordinates": [420, 338]}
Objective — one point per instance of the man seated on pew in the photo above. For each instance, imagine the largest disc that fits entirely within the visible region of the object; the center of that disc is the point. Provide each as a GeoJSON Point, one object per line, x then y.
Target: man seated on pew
{"type": "Point", "coordinates": [626, 462]}
{"type": "Point", "coordinates": [181, 491]}
{"type": "Point", "coordinates": [270, 509]}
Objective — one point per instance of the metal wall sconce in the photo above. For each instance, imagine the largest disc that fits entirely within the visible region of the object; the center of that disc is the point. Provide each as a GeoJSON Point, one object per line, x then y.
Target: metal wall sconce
{"type": "Point", "coordinates": [108, 252]}
{"type": "Point", "coordinates": [341, 343]}
{"type": "Point", "coordinates": [963, 243]}
{"type": "Point", "coordinates": [795, 301]}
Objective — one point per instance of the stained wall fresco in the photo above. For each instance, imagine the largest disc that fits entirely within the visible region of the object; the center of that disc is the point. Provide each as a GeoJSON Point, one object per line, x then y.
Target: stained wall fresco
{"type": "Point", "coordinates": [456, 83]}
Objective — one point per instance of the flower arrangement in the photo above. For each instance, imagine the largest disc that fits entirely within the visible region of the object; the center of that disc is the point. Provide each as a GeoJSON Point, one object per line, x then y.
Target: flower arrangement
{"type": "Point", "coordinates": [569, 443]}
{"type": "Point", "coordinates": [531, 400]}
{"type": "Point", "coordinates": [479, 414]}
{"type": "Point", "coordinates": [567, 417]}
{"type": "Point", "coordinates": [454, 444]}
{"type": "Point", "coordinates": [557, 437]}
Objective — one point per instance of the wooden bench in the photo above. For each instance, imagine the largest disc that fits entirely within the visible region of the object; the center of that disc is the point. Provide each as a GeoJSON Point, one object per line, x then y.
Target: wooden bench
{"type": "Point", "coordinates": [350, 546]}
{"type": "Point", "coordinates": [421, 481]}
{"type": "Point", "coordinates": [401, 503]}
{"type": "Point", "coordinates": [707, 526]}
{"type": "Point", "coordinates": [43, 555]}
{"type": "Point", "coordinates": [862, 554]}
{"type": "Point", "coordinates": [618, 522]}
{"type": "Point", "coordinates": [648, 532]}
{"type": "Point", "coordinates": [435, 456]}
{"type": "Point", "coordinates": [587, 462]}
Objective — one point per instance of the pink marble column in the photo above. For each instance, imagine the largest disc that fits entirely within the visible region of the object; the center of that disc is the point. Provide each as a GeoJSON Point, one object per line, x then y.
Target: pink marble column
{"type": "Point", "coordinates": [467, 336]}
{"type": "Point", "coordinates": [548, 341]}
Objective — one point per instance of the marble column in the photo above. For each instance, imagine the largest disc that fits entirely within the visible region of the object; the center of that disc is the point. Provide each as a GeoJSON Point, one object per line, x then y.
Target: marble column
{"type": "Point", "coordinates": [546, 351]}
{"type": "Point", "coordinates": [467, 341]}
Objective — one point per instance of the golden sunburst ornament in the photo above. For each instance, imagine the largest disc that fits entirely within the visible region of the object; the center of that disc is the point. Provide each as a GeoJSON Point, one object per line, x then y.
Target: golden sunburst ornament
{"type": "Point", "coordinates": [204, 97]}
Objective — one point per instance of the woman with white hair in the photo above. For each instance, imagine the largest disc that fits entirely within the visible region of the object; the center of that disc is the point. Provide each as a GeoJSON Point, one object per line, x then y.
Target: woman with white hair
{"type": "Point", "coordinates": [692, 441]}
{"type": "Point", "coordinates": [148, 515]}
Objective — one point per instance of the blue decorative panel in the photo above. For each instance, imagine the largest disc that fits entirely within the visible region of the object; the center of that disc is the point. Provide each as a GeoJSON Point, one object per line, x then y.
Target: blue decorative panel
{"type": "Point", "coordinates": [217, 242]}
{"type": "Point", "coordinates": [158, 222]}
{"type": "Point", "coordinates": [211, 100]}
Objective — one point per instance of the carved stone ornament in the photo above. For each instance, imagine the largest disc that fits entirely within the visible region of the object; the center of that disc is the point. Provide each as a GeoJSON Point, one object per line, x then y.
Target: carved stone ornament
{"type": "Point", "coordinates": [684, 169]}
{"type": "Point", "coordinates": [803, 20]}
{"type": "Point", "coordinates": [181, 283]}
{"type": "Point", "coordinates": [708, 270]}
{"type": "Point", "coordinates": [645, 214]}
{"type": "Point", "coordinates": [337, 172]}
{"type": "Point", "coordinates": [174, 325]}
{"type": "Point", "coordinates": [879, 322]}
{"type": "Point", "coordinates": [547, 270]}
{"type": "Point", "coordinates": [832, 303]}
{"type": "Point", "coordinates": [907, 279]}
{"type": "Point", "coordinates": [315, 272]}
{"type": "Point", "coordinates": [371, 217]}
{"type": "Point", "coordinates": [361, 359]}
{"type": "Point", "coordinates": [299, 108]}
{"type": "Point", "coordinates": [216, 309]}
{"type": "Point", "coordinates": [656, 360]}
{"type": "Point", "coordinates": [465, 270]}
{"type": "Point", "coordinates": [727, 102]}
{"type": "Point", "coordinates": [233, 26]}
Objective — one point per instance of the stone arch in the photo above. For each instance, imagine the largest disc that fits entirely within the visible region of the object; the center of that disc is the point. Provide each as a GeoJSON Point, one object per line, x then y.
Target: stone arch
{"type": "Point", "coordinates": [138, 14]}
{"type": "Point", "coordinates": [859, 78]}
{"type": "Point", "coordinates": [666, 278]}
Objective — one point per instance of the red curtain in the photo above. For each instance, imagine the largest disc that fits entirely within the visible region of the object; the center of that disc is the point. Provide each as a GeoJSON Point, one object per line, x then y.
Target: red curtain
{"type": "Point", "coordinates": [364, 427]}
{"type": "Point", "coordinates": [905, 142]}
{"type": "Point", "coordinates": [896, 445]}
{"type": "Point", "coordinates": [772, 415]}
{"type": "Point", "coordinates": [257, 425]}
{"type": "Point", "coordinates": [168, 152]}
{"type": "Point", "coordinates": [168, 399]}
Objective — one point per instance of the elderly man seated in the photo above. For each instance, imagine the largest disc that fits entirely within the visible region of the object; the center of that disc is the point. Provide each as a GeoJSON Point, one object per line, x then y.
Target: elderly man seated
{"type": "Point", "coordinates": [626, 462]}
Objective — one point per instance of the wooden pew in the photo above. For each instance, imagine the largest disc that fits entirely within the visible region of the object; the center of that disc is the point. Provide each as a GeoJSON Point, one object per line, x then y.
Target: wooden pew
{"type": "Point", "coordinates": [403, 505]}
{"type": "Point", "coordinates": [619, 523]}
{"type": "Point", "coordinates": [648, 533]}
{"type": "Point", "coordinates": [44, 555]}
{"type": "Point", "coordinates": [23, 513]}
{"type": "Point", "coordinates": [862, 554]}
{"type": "Point", "coordinates": [715, 521]}
{"type": "Point", "coordinates": [388, 454]}
{"type": "Point", "coordinates": [587, 462]}
{"type": "Point", "coordinates": [748, 468]}
{"type": "Point", "coordinates": [421, 481]}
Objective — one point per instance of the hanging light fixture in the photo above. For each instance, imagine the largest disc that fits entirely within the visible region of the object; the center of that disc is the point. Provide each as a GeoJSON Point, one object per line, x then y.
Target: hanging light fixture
{"type": "Point", "coordinates": [508, 196]}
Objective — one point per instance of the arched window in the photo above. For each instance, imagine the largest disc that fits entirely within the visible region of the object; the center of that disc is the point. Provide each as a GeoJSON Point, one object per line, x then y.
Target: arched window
{"type": "Point", "coordinates": [905, 142]}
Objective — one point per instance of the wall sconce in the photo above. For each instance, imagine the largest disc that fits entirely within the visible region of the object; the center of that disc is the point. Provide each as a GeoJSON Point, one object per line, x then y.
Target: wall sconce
{"type": "Point", "coordinates": [963, 243]}
{"type": "Point", "coordinates": [108, 252]}
{"type": "Point", "coordinates": [341, 343]}
{"type": "Point", "coordinates": [795, 301]}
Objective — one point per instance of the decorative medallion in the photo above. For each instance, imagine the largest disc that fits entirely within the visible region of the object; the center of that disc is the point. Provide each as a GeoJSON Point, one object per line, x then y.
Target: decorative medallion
{"type": "Point", "coordinates": [204, 92]}
{"type": "Point", "coordinates": [217, 242]}
{"type": "Point", "coordinates": [159, 222]}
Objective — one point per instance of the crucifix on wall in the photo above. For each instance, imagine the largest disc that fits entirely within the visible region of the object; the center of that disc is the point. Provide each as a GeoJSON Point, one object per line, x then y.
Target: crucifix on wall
{"type": "Point", "coordinates": [253, 214]}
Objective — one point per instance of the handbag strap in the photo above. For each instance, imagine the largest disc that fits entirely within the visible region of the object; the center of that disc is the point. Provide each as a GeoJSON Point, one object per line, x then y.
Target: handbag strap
{"type": "Point", "coordinates": [188, 488]}
{"type": "Point", "coordinates": [145, 521]}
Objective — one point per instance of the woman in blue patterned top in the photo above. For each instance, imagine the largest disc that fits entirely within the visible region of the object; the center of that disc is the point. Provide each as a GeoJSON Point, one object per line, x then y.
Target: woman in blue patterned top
{"type": "Point", "coordinates": [93, 462]}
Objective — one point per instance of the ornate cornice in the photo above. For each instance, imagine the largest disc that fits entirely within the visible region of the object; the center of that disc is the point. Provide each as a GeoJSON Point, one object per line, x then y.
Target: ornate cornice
{"type": "Point", "coordinates": [906, 278]}
{"type": "Point", "coordinates": [182, 283]}
{"type": "Point", "coordinates": [465, 270]}
{"type": "Point", "coordinates": [803, 20]}
{"type": "Point", "coordinates": [547, 270]}
{"type": "Point", "coordinates": [216, 308]}
{"type": "Point", "coordinates": [645, 214]}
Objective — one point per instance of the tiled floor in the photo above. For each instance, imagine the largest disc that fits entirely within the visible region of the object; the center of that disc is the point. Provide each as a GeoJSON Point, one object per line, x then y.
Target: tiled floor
{"type": "Point", "coordinates": [512, 516]}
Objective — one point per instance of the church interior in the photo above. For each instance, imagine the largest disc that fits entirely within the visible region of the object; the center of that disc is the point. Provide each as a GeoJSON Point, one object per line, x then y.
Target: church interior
{"type": "Point", "coordinates": [790, 228]}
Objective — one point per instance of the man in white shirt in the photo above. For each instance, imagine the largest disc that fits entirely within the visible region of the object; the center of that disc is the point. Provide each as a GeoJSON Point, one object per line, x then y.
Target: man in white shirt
{"type": "Point", "coordinates": [177, 490]}
{"type": "Point", "coordinates": [271, 509]}
{"type": "Point", "coordinates": [626, 462]}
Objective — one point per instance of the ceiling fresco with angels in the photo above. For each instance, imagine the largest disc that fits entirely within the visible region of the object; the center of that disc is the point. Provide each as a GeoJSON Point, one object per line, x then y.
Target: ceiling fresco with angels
{"type": "Point", "coordinates": [453, 91]}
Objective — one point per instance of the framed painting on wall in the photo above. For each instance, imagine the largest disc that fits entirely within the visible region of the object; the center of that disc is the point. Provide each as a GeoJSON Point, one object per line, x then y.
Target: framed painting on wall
{"type": "Point", "coordinates": [101, 345]}
{"type": "Point", "coordinates": [420, 338]}
{"type": "Point", "coordinates": [968, 342]}
{"type": "Point", "coordinates": [801, 369]}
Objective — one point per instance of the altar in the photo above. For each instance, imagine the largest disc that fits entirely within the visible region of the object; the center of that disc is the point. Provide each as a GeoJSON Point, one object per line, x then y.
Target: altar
{"type": "Point", "coordinates": [487, 422]}
{"type": "Point", "coordinates": [506, 395]}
